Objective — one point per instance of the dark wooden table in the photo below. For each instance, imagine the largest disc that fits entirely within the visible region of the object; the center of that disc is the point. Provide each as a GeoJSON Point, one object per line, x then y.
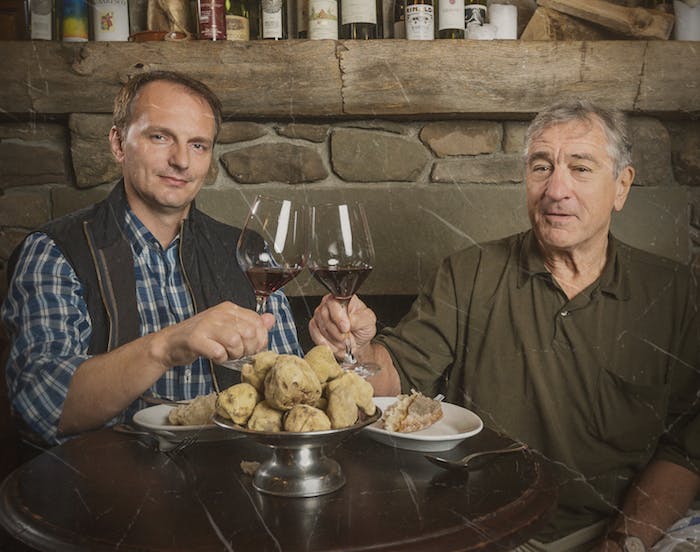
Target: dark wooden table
{"type": "Point", "coordinates": [109, 491]}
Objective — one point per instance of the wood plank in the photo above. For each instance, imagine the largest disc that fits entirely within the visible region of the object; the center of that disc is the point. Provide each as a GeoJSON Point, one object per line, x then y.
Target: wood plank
{"type": "Point", "coordinates": [350, 79]}
{"type": "Point", "coordinates": [546, 24]}
{"type": "Point", "coordinates": [253, 79]}
{"type": "Point", "coordinates": [635, 22]}
{"type": "Point", "coordinates": [508, 77]}
{"type": "Point", "coordinates": [668, 65]}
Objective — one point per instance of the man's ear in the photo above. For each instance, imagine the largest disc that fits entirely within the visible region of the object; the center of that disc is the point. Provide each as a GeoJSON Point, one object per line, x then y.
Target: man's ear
{"type": "Point", "coordinates": [115, 143]}
{"type": "Point", "coordinates": [622, 187]}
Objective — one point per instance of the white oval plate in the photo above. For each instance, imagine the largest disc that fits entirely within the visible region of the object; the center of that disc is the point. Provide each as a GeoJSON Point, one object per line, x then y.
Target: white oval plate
{"type": "Point", "coordinates": [456, 424]}
{"type": "Point", "coordinates": [155, 419]}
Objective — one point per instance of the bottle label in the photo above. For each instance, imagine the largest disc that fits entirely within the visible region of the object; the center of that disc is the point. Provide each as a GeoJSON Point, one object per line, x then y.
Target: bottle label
{"type": "Point", "coordinates": [272, 19]}
{"type": "Point", "coordinates": [41, 20]}
{"type": "Point", "coordinates": [302, 16]}
{"type": "Point", "coordinates": [475, 14]}
{"type": "Point", "coordinates": [323, 19]}
{"type": "Point", "coordinates": [450, 14]}
{"type": "Point", "coordinates": [75, 21]}
{"type": "Point", "coordinates": [419, 22]}
{"type": "Point", "coordinates": [110, 20]}
{"type": "Point", "coordinates": [359, 11]}
{"type": "Point", "coordinates": [237, 27]}
{"type": "Point", "coordinates": [212, 20]}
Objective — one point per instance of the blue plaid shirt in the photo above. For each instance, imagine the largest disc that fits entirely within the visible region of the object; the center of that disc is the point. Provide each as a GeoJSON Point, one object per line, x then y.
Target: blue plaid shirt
{"type": "Point", "coordinates": [46, 314]}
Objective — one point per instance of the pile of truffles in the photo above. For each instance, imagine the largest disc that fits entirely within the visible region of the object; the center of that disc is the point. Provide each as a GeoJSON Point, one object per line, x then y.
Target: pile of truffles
{"type": "Point", "coordinates": [288, 393]}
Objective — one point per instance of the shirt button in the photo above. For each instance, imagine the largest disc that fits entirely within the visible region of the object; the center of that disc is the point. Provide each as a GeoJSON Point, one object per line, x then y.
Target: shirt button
{"type": "Point", "coordinates": [564, 313]}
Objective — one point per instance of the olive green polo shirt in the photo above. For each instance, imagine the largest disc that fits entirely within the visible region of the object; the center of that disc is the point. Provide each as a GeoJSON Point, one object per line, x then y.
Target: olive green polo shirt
{"type": "Point", "coordinates": [600, 383]}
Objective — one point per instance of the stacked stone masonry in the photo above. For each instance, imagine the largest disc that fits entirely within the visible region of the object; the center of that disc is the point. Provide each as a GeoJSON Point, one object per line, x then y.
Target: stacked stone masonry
{"type": "Point", "coordinates": [430, 186]}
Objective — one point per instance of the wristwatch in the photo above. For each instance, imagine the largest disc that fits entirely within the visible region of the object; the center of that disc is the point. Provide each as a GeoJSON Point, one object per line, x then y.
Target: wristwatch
{"type": "Point", "coordinates": [628, 543]}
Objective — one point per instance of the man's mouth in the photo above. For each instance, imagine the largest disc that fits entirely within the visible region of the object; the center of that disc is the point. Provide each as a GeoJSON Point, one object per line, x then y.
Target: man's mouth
{"type": "Point", "coordinates": [176, 180]}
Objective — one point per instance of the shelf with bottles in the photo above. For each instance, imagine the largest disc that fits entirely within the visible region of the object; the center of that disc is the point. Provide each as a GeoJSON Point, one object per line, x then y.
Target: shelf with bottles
{"type": "Point", "coordinates": [139, 20]}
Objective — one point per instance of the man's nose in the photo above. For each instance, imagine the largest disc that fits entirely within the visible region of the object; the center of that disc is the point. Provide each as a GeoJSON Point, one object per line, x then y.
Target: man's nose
{"type": "Point", "coordinates": [179, 156]}
{"type": "Point", "coordinates": [559, 184]}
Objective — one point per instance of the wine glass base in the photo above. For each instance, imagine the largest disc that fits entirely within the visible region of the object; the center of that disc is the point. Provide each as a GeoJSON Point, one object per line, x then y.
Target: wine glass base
{"type": "Point", "coordinates": [236, 363]}
{"type": "Point", "coordinates": [364, 370]}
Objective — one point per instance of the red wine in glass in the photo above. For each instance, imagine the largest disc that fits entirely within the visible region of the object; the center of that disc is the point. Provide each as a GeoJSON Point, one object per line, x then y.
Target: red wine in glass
{"type": "Point", "coordinates": [342, 282]}
{"type": "Point", "coordinates": [267, 280]}
{"type": "Point", "coordinates": [341, 256]}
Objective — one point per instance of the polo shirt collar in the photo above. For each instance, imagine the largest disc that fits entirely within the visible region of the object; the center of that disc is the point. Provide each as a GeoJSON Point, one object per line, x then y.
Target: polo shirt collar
{"type": "Point", "coordinates": [614, 280]}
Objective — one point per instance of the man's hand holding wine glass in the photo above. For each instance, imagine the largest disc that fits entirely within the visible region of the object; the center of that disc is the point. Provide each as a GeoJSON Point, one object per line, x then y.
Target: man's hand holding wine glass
{"type": "Point", "coordinates": [218, 333]}
{"type": "Point", "coordinates": [333, 325]}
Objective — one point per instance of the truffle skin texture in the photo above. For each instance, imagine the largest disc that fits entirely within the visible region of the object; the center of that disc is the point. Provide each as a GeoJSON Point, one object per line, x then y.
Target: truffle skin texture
{"type": "Point", "coordinates": [237, 402]}
{"type": "Point", "coordinates": [255, 373]}
{"type": "Point", "coordinates": [322, 361]}
{"type": "Point", "coordinates": [306, 418]}
{"type": "Point", "coordinates": [291, 381]}
{"type": "Point", "coordinates": [265, 418]}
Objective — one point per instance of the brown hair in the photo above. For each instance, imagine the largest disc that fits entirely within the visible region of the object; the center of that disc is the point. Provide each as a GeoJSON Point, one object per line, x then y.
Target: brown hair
{"type": "Point", "coordinates": [124, 101]}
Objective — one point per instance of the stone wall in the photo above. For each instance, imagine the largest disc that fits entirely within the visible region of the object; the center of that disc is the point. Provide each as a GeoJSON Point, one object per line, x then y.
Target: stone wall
{"type": "Point", "coordinates": [430, 187]}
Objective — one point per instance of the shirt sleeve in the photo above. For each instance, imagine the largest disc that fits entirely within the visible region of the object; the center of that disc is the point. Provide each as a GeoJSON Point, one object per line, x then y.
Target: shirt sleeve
{"type": "Point", "coordinates": [680, 442]}
{"type": "Point", "coordinates": [49, 327]}
{"type": "Point", "coordinates": [283, 335]}
{"type": "Point", "coordinates": [423, 346]}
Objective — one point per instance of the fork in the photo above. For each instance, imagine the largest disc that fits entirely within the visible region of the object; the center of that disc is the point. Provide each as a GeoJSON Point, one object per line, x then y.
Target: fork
{"type": "Point", "coordinates": [180, 445]}
{"type": "Point", "coordinates": [463, 463]}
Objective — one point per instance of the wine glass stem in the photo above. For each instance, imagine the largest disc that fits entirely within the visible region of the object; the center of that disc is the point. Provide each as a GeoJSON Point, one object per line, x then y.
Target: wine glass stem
{"type": "Point", "coordinates": [350, 359]}
{"type": "Point", "coordinates": [260, 302]}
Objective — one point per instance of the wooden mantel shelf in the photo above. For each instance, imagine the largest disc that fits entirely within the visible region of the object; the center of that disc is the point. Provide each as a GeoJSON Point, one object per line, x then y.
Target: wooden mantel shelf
{"type": "Point", "coordinates": [352, 79]}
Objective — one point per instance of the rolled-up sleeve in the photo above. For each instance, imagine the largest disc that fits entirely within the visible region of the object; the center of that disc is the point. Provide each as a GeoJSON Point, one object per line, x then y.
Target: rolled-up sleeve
{"type": "Point", "coordinates": [49, 327]}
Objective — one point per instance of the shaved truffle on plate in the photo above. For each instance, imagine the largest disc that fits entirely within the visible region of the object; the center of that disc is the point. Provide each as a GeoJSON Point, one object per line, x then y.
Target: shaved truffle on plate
{"type": "Point", "coordinates": [411, 413]}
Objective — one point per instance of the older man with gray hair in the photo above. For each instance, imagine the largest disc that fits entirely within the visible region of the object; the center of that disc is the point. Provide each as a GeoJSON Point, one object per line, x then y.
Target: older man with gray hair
{"type": "Point", "coordinates": [564, 338]}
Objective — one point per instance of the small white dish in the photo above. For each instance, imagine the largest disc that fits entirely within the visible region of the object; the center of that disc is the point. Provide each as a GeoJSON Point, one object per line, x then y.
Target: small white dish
{"type": "Point", "coordinates": [155, 420]}
{"type": "Point", "coordinates": [456, 424]}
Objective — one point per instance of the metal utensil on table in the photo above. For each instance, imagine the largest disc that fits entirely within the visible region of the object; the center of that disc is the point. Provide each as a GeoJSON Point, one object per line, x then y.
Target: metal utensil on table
{"type": "Point", "coordinates": [463, 463]}
{"type": "Point", "coordinates": [152, 399]}
{"type": "Point", "coordinates": [166, 441]}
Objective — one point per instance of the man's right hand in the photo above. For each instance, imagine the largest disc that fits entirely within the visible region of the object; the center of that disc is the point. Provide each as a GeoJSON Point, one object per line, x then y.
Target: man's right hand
{"type": "Point", "coordinates": [332, 325]}
{"type": "Point", "coordinates": [220, 333]}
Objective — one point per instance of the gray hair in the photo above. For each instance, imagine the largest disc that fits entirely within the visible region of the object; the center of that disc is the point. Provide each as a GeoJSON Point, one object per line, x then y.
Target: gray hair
{"type": "Point", "coordinates": [613, 122]}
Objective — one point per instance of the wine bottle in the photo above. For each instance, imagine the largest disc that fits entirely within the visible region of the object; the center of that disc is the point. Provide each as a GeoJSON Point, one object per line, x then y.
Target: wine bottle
{"type": "Point", "coordinates": [212, 20]}
{"type": "Point", "coordinates": [110, 20]}
{"type": "Point", "coordinates": [237, 20]}
{"type": "Point", "coordinates": [41, 20]}
{"type": "Point", "coordinates": [474, 12]}
{"type": "Point", "coordinates": [450, 19]}
{"type": "Point", "coordinates": [75, 21]}
{"type": "Point", "coordinates": [303, 18]}
{"type": "Point", "coordinates": [361, 19]}
{"type": "Point", "coordinates": [273, 19]}
{"type": "Point", "coordinates": [399, 18]}
{"type": "Point", "coordinates": [420, 20]}
{"type": "Point", "coordinates": [323, 19]}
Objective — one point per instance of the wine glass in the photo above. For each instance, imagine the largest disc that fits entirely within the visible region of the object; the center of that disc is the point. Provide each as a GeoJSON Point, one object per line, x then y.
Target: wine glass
{"type": "Point", "coordinates": [271, 250]}
{"type": "Point", "coordinates": [341, 256]}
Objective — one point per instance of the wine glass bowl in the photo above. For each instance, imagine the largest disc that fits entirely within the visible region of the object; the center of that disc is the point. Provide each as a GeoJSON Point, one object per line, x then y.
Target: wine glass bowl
{"type": "Point", "coordinates": [271, 249]}
{"type": "Point", "coordinates": [341, 257]}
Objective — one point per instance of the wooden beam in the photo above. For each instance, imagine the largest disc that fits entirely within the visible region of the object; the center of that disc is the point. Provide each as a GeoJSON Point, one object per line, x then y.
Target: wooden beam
{"type": "Point", "coordinates": [634, 22]}
{"type": "Point", "coordinates": [306, 79]}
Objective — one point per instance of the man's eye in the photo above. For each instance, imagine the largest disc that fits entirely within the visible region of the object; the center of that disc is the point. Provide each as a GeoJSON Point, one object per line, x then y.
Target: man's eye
{"type": "Point", "coordinates": [200, 147]}
{"type": "Point", "coordinates": [157, 137]}
{"type": "Point", "coordinates": [582, 169]}
{"type": "Point", "coordinates": [540, 168]}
